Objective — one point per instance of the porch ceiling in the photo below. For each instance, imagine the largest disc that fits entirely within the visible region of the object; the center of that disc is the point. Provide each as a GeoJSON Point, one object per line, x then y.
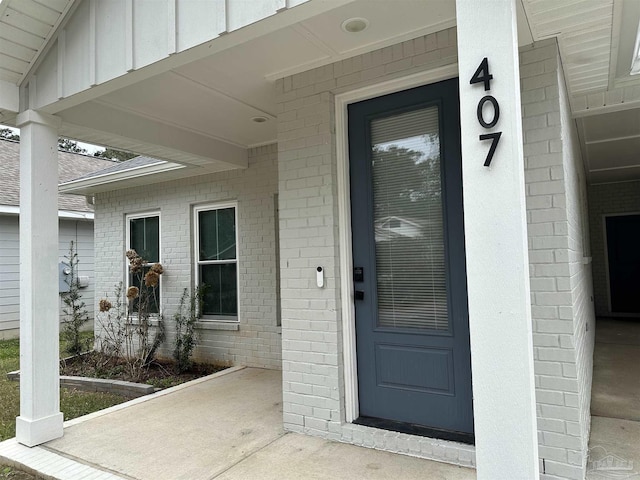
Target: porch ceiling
{"type": "Point", "coordinates": [209, 103]}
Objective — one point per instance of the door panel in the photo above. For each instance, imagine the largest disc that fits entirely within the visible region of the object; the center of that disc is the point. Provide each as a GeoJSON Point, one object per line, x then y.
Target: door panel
{"type": "Point", "coordinates": [623, 232]}
{"type": "Point", "coordinates": [412, 331]}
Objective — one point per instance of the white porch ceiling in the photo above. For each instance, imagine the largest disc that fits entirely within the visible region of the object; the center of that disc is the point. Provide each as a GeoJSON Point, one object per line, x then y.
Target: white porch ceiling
{"type": "Point", "coordinates": [214, 98]}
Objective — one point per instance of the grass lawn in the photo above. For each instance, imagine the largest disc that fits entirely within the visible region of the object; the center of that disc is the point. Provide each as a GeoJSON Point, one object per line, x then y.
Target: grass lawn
{"type": "Point", "coordinates": [72, 403]}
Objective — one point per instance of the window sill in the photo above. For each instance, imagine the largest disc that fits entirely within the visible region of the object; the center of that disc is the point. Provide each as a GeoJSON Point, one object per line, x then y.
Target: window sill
{"type": "Point", "coordinates": [153, 321]}
{"type": "Point", "coordinates": [218, 326]}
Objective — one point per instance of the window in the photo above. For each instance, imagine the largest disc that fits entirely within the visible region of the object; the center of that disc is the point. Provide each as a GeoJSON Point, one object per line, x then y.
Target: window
{"type": "Point", "coordinates": [217, 260]}
{"type": "Point", "coordinates": [143, 236]}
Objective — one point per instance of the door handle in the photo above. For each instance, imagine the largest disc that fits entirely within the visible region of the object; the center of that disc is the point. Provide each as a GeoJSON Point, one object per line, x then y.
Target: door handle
{"type": "Point", "coordinates": [359, 295]}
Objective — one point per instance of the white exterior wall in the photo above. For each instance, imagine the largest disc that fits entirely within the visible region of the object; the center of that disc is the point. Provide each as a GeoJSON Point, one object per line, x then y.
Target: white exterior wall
{"type": "Point", "coordinates": [256, 341]}
{"type": "Point", "coordinates": [81, 232]}
{"type": "Point", "coordinates": [560, 283]}
{"type": "Point", "coordinates": [313, 370]}
{"type": "Point", "coordinates": [312, 335]}
{"type": "Point", "coordinates": [612, 198]}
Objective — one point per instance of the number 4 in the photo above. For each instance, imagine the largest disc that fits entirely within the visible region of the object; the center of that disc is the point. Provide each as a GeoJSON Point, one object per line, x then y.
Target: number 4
{"type": "Point", "coordinates": [482, 75]}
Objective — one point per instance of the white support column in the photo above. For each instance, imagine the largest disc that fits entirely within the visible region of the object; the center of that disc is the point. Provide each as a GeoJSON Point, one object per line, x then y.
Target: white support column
{"type": "Point", "coordinates": [496, 245]}
{"type": "Point", "coordinates": [40, 419]}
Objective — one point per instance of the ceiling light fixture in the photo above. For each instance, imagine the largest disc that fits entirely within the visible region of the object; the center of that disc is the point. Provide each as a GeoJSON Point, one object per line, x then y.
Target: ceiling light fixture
{"type": "Point", "coordinates": [259, 119]}
{"type": "Point", "coordinates": [355, 25]}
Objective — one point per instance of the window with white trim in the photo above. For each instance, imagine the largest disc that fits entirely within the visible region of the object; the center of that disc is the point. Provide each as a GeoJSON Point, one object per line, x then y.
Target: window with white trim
{"type": "Point", "coordinates": [216, 260]}
{"type": "Point", "coordinates": [143, 236]}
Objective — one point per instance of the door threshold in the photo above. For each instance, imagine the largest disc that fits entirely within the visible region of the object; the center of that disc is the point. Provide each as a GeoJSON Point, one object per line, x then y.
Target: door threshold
{"type": "Point", "coordinates": [413, 429]}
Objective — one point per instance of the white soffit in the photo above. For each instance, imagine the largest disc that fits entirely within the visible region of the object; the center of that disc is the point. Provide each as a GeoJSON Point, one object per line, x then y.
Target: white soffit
{"type": "Point", "coordinates": [584, 30]}
{"type": "Point", "coordinates": [25, 28]}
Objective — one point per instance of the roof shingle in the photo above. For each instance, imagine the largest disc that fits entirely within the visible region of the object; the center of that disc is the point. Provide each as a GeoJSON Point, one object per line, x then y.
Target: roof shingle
{"type": "Point", "coordinates": [70, 166]}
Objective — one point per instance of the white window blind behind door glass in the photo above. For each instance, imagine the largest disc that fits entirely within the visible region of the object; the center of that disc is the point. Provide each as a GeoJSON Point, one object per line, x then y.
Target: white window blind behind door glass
{"type": "Point", "coordinates": [408, 221]}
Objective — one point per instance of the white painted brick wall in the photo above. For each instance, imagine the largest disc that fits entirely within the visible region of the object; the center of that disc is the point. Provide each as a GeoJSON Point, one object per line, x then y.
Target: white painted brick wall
{"type": "Point", "coordinates": [313, 385]}
{"type": "Point", "coordinates": [257, 342]}
{"type": "Point", "coordinates": [560, 285]}
{"type": "Point", "coordinates": [612, 198]}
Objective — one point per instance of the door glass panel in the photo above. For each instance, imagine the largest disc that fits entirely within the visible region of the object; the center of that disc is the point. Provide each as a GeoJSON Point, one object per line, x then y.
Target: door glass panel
{"type": "Point", "coordinates": [408, 221]}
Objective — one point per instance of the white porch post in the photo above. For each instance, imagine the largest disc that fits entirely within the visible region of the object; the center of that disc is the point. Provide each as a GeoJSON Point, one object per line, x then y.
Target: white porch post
{"type": "Point", "coordinates": [496, 244]}
{"type": "Point", "coordinates": [40, 419]}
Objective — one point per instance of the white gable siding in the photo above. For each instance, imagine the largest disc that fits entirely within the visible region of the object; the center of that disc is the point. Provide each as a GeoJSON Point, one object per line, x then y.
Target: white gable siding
{"type": "Point", "coordinates": [256, 341]}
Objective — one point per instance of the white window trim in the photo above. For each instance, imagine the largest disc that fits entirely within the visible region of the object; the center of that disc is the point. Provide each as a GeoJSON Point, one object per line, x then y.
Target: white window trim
{"type": "Point", "coordinates": [196, 262]}
{"type": "Point", "coordinates": [127, 220]}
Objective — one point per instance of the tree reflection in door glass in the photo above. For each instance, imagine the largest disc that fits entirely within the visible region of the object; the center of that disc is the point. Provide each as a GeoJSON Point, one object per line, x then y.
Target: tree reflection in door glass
{"type": "Point", "coordinates": [408, 221]}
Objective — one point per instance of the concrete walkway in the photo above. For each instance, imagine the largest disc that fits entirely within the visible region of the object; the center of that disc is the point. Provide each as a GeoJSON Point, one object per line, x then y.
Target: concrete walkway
{"type": "Point", "coordinates": [228, 426]}
{"type": "Point", "coordinates": [614, 445]}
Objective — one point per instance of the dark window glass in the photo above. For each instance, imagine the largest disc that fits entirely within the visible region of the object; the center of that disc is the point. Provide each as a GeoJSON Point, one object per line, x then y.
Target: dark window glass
{"type": "Point", "coordinates": [221, 289]}
{"type": "Point", "coordinates": [144, 237]}
{"type": "Point", "coordinates": [153, 293]}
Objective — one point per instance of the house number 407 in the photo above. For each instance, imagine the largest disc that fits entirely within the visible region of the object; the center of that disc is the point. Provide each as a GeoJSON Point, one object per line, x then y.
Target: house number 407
{"type": "Point", "coordinates": [483, 76]}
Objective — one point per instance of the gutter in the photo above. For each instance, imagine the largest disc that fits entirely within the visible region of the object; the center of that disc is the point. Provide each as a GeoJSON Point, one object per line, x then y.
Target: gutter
{"type": "Point", "coordinates": [62, 214]}
{"type": "Point", "coordinates": [77, 186]}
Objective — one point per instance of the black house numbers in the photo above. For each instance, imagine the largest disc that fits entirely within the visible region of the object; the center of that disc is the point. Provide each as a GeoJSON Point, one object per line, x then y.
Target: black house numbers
{"type": "Point", "coordinates": [483, 76]}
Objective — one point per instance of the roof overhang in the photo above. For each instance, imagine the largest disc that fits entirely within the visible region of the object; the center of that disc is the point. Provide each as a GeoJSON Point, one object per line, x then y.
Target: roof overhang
{"type": "Point", "coordinates": [132, 177]}
{"type": "Point", "coordinates": [62, 214]}
{"type": "Point", "coordinates": [192, 103]}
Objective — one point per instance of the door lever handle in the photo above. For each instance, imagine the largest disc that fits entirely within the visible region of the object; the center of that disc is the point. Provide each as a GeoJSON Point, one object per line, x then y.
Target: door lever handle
{"type": "Point", "coordinates": [359, 295]}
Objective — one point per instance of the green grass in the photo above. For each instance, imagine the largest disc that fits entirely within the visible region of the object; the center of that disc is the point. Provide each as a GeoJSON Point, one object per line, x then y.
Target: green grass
{"type": "Point", "coordinates": [7, 472]}
{"type": "Point", "coordinates": [73, 403]}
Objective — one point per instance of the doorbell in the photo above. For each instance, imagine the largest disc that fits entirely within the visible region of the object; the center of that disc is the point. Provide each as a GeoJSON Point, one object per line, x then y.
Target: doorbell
{"type": "Point", "coordinates": [320, 277]}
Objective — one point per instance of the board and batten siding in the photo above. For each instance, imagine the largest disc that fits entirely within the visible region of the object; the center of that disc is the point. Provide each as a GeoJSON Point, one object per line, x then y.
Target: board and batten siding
{"type": "Point", "coordinates": [80, 231]}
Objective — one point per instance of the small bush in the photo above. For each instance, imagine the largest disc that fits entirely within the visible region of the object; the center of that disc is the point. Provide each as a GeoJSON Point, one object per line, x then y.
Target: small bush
{"type": "Point", "coordinates": [126, 328]}
{"type": "Point", "coordinates": [185, 340]}
{"type": "Point", "coordinates": [75, 309]}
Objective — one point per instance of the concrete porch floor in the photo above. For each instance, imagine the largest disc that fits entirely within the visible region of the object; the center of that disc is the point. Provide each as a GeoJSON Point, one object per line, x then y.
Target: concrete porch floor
{"type": "Point", "coordinates": [224, 427]}
{"type": "Point", "coordinates": [615, 401]}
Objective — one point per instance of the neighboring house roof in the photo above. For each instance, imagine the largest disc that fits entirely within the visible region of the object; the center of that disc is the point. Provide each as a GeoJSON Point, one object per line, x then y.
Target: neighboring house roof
{"type": "Point", "coordinates": [70, 165]}
{"type": "Point", "coordinates": [118, 167]}
{"type": "Point", "coordinates": [137, 171]}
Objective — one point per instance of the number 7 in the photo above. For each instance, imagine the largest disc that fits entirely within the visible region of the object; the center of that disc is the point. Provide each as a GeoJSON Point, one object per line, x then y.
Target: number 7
{"type": "Point", "coordinates": [495, 138]}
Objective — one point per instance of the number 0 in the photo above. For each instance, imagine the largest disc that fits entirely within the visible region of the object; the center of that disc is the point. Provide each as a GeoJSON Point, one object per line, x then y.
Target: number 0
{"type": "Point", "coordinates": [496, 111]}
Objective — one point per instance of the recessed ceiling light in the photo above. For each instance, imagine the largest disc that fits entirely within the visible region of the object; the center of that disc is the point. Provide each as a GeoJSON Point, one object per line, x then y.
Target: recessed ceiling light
{"type": "Point", "coordinates": [355, 25]}
{"type": "Point", "coordinates": [259, 119]}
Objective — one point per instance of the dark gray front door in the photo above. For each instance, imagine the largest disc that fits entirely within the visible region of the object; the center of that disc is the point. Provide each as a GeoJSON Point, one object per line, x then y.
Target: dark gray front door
{"type": "Point", "coordinates": [414, 364]}
{"type": "Point", "coordinates": [623, 253]}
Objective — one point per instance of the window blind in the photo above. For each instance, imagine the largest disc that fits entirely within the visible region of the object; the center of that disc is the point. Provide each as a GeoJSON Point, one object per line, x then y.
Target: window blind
{"type": "Point", "coordinates": [408, 221]}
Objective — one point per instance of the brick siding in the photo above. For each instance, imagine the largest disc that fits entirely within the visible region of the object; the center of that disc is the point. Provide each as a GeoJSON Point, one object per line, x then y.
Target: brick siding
{"type": "Point", "coordinates": [313, 374]}
{"type": "Point", "coordinates": [257, 341]}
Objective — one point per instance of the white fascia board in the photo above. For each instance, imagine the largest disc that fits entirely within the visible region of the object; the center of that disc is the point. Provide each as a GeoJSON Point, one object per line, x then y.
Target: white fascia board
{"type": "Point", "coordinates": [9, 96]}
{"type": "Point", "coordinates": [83, 185]}
{"type": "Point", "coordinates": [65, 214]}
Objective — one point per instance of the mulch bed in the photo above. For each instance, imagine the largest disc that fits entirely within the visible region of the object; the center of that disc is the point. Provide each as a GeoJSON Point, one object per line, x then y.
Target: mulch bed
{"type": "Point", "coordinates": [161, 373]}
